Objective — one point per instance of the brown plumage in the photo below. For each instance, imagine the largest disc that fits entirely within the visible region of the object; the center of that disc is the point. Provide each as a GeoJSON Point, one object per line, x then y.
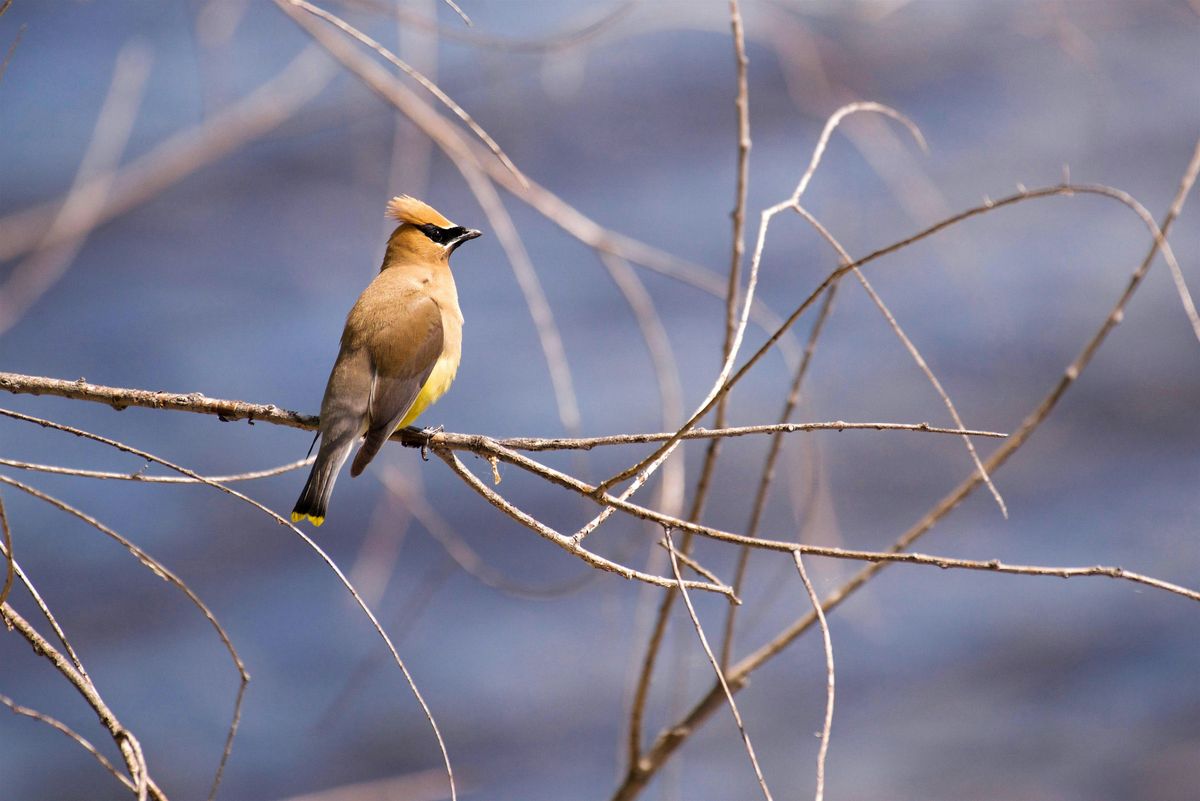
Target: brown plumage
{"type": "Point", "coordinates": [400, 349]}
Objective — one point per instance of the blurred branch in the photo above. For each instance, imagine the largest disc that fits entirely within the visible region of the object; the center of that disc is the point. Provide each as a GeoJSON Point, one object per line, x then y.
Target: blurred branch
{"type": "Point", "coordinates": [288, 7]}
{"type": "Point", "coordinates": [530, 285]}
{"type": "Point", "coordinates": [424, 785]}
{"type": "Point", "coordinates": [77, 216]}
{"type": "Point", "coordinates": [176, 157]}
{"type": "Point", "coordinates": [12, 48]}
{"type": "Point", "coordinates": [557, 41]}
{"type": "Point", "coordinates": [462, 152]}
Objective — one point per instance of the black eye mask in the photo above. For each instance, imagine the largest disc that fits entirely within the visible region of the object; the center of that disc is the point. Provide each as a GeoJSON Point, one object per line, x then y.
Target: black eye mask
{"type": "Point", "coordinates": [441, 236]}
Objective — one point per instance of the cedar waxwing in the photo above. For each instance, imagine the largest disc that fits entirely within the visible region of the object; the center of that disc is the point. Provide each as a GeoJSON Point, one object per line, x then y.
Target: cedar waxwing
{"type": "Point", "coordinates": [400, 349]}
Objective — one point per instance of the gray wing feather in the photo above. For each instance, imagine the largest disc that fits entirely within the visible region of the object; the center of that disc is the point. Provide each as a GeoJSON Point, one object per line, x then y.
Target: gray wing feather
{"type": "Point", "coordinates": [402, 358]}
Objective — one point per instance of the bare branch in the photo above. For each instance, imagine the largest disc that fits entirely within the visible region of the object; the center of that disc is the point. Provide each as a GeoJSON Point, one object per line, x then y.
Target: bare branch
{"type": "Point", "coordinates": [404, 67]}
{"type": "Point", "coordinates": [566, 543]}
{"type": "Point", "coordinates": [230, 410]}
{"type": "Point", "coordinates": [10, 572]}
{"type": "Point", "coordinates": [140, 476]}
{"type": "Point", "coordinates": [162, 572]}
{"type": "Point", "coordinates": [462, 554]}
{"type": "Point", "coordinates": [672, 737]}
{"type": "Point", "coordinates": [737, 718]}
{"type": "Point", "coordinates": [30, 279]}
{"type": "Point", "coordinates": [548, 44]}
{"type": "Point", "coordinates": [308, 541]}
{"type": "Point", "coordinates": [135, 763]}
{"type": "Point", "coordinates": [910, 347]}
{"type": "Point", "coordinates": [768, 470]}
{"type": "Point", "coordinates": [823, 751]}
{"type": "Point", "coordinates": [83, 743]}
{"type": "Point", "coordinates": [176, 157]}
{"type": "Point", "coordinates": [45, 610]}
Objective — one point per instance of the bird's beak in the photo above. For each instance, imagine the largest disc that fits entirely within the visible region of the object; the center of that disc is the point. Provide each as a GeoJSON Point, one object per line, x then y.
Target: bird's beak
{"type": "Point", "coordinates": [467, 233]}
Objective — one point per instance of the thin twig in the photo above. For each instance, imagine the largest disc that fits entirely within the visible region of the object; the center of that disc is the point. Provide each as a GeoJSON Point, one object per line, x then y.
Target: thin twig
{"type": "Point", "coordinates": [233, 410]}
{"type": "Point", "coordinates": [737, 718]}
{"type": "Point", "coordinates": [688, 561]}
{"type": "Point", "coordinates": [10, 571]}
{"type": "Point", "coordinates": [126, 742]}
{"type": "Point", "coordinates": [308, 541]}
{"type": "Point", "coordinates": [673, 736]}
{"type": "Point", "coordinates": [82, 742]}
{"type": "Point", "coordinates": [768, 471]}
{"type": "Point", "coordinates": [827, 641]}
{"type": "Point", "coordinates": [742, 104]}
{"type": "Point", "coordinates": [911, 348]}
{"type": "Point", "coordinates": [463, 555]}
{"type": "Point", "coordinates": [44, 608]}
{"type": "Point", "coordinates": [34, 275]}
{"type": "Point", "coordinates": [161, 571]}
{"type": "Point", "coordinates": [566, 543]}
{"type": "Point", "coordinates": [176, 157]}
{"type": "Point", "coordinates": [408, 70]}
{"type": "Point", "coordinates": [145, 479]}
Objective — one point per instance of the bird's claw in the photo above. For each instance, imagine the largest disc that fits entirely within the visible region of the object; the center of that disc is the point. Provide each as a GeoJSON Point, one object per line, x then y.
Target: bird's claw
{"type": "Point", "coordinates": [428, 434]}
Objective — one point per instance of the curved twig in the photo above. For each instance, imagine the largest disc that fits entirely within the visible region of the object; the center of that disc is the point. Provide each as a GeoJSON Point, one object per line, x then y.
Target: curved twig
{"type": "Point", "coordinates": [408, 70]}
{"type": "Point", "coordinates": [308, 541]}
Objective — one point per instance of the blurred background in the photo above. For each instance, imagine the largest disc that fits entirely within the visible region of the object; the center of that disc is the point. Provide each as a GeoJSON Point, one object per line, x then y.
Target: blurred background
{"type": "Point", "coordinates": [227, 266]}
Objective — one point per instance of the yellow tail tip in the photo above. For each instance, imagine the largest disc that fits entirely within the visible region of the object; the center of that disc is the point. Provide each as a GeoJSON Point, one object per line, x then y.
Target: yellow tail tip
{"type": "Point", "coordinates": [298, 516]}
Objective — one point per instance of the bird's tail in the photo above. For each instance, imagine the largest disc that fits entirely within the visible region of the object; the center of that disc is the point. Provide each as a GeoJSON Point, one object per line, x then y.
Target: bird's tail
{"type": "Point", "coordinates": [314, 499]}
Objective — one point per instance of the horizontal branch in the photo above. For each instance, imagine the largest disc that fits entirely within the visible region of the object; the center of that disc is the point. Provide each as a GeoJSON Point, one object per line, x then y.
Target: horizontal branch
{"type": "Point", "coordinates": [587, 443]}
{"type": "Point", "coordinates": [121, 398]}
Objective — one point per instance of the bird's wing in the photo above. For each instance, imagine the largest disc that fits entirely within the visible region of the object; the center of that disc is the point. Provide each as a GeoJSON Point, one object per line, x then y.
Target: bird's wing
{"type": "Point", "coordinates": [403, 353]}
{"type": "Point", "coordinates": [403, 349]}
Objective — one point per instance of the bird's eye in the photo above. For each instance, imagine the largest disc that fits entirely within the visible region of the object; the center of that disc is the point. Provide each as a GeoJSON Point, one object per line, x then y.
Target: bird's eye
{"type": "Point", "coordinates": [435, 234]}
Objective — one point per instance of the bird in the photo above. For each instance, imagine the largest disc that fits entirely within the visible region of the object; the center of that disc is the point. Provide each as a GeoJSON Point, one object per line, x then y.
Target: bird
{"type": "Point", "coordinates": [400, 349]}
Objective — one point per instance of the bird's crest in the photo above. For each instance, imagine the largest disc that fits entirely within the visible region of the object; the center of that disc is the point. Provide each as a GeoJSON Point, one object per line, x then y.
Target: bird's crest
{"type": "Point", "coordinates": [408, 209]}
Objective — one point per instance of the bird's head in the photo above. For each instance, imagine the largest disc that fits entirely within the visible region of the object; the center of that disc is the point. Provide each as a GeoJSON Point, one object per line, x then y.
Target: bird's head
{"type": "Point", "coordinates": [423, 234]}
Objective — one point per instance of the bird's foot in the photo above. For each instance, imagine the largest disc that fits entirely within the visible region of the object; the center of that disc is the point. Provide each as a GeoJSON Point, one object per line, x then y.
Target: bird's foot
{"type": "Point", "coordinates": [428, 434]}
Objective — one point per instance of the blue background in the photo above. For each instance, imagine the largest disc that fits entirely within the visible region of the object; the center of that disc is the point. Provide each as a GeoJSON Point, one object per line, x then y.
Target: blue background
{"type": "Point", "coordinates": [235, 280]}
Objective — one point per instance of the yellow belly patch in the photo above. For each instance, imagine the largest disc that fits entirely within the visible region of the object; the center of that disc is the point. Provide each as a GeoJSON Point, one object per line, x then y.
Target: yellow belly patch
{"type": "Point", "coordinates": [435, 387]}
